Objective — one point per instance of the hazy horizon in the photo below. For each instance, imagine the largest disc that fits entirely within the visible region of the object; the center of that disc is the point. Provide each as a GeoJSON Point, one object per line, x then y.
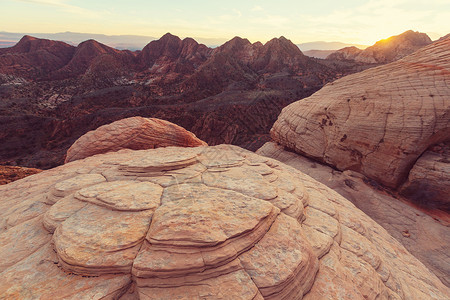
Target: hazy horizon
{"type": "Point", "coordinates": [348, 21]}
{"type": "Point", "coordinates": [137, 42]}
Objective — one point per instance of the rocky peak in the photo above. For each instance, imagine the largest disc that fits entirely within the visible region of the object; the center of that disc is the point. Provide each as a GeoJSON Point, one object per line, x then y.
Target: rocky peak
{"type": "Point", "coordinates": [91, 56]}
{"type": "Point", "coordinates": [386, 50]}
{"type": "Point", "coordinates": [283, 45]}
{"type": "Point", "coordinates": [29, 44]}
{"type": "Point", "coordinates": [413, 37]}
{"type": "Point", "coordinates": [347, 53]}
{"type": "Point", "coordinates": [92, 47]}
{"type": "Point", "coordinates": [84, 55]}
{"type": "Point", "coordinates": [170, 48]}
{"type": "Point", "coordinates": [234, 45]}
{"type": "Point", "coordinates": [190, 48]}
{"type": "Point", "coordinates": [239, 49]}
{"type": "Point", "coordinates": [24, 45]}
{"type": "Point", "coordinates": [34, 58]}
{"type": "Point", "coordinates": [168, 38]}
{"type": "Point", "coordinates": [279, 54]}
{"type": "Point", "coordinates": [444, 37]}
{"type": "Point", "coordinates": [258, 44]}
{"type": "Point", "coordinates": [171, 54]}
{"type": "Point", "coordinates": [394, 48]}
{"type": "Point", "coordinates": [168, 45]}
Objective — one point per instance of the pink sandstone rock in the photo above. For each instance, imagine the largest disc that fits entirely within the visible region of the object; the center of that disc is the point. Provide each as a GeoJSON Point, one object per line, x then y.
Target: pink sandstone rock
{"type": "Point", "coordinates": [135, 133]}
{"type": "Point", "coordinates": [423, 232]}
{"type": "Point", "coordinates": [195, 223]}
{"type": "Point", "coordinates": [377, 122]}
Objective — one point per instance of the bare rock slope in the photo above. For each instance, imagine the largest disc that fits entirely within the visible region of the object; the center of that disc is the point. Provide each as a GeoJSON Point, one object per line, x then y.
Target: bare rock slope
{"type": "Point", "coordinates": [424, 232]}
{"type": "Point", "coordinates": [135, 133]}
{"type": "Point", "coordinates": [377, 122]}
{"type": "Point", "coordinates": [195, 223]}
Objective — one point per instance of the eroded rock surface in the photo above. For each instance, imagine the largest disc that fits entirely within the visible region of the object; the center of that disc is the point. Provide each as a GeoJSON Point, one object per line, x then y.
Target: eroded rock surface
{"type": "Point", "coordinates": [215, 223]}
{"type": "Point", "coordinates": [377, 122]}
{"type": "Point", "coordinates": [423, 232]}
{"type": "Point", "coordinates": [135, 133]}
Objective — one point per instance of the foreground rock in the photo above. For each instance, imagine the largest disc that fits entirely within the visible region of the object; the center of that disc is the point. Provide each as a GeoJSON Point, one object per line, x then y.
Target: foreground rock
{"type": "Point", "coordinates": [423, 232]}
{"type": "Point", "coordinates": [377, 122]}
{"type": "Point", "coordinates": [195, 223]}
{"type": "Point", "coordinates": [135, 133]}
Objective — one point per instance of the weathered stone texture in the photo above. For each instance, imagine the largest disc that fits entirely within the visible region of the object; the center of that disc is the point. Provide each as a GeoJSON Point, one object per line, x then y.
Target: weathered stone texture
{"type": "Point", "coordinates": [423, 232]}
{"type": "Point", "coordinates": [217, 223]}
{"type": "Point", "coordinates": [377, 122]}
{"type": "Point", "coordinates": [134, 133]}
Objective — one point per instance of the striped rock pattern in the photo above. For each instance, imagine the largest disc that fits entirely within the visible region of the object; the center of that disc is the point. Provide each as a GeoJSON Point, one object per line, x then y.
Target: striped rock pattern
{"type": "Point", "coordinates": [135, 133]}
{"type": "Point", "coordinates": [377, 122]}
{"type": "Point", "coordinates": [195, 223]}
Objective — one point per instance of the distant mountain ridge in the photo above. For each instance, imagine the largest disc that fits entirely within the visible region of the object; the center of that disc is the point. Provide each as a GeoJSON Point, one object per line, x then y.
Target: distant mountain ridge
{"type": "Point", "coordinates": [321, 45]}
{"type": "Point", "coordinates": [52, 92]}
{"type": "Point", "coordinates": [318, 53]}
{"type": "Point", "coordinates": [121, 42]}
{"type": "Point", "coordinates": [137, 42]}
{"type": "Point", "coordinates": [169, 58]}
{"type": "Point", "coordinates": [386, 50]}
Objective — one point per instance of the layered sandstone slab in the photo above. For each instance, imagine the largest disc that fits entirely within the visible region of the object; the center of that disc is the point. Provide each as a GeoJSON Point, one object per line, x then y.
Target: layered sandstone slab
{"type": "Point", "coordinates": [377, 122]}
{"type": "Point", "coordinates": [216, 223]}
{"type": "Point", "coordinates": [424, 233]}
{"type": "Point", "coordinates": [135, 133]}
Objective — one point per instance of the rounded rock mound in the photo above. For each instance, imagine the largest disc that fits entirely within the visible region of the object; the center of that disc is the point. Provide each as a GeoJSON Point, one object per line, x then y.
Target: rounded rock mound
{"type": "Point", "coordinates": [136, 133]}
{"type": "Point", "coordinates": [195, 223]}
{"type": "Point", "coordinates": [377, 122]}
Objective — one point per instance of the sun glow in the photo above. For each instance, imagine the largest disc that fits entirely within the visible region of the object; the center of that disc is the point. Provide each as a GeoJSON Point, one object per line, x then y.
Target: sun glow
{"type": "Point", "coordinates": [349, 21]}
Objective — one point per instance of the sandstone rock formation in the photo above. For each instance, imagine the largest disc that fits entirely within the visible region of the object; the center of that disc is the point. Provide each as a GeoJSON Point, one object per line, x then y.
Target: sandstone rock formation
{"type": "Point", "coordinates": [195, 223]}
{"type": "Point", "coordinates": [135, 133]}
{"type": "Point", "coordinates": [377, 122]}
{"type": "Point", "coordinates": [386, 50]}
{"type": "Point", "coordinates": [429, 180]}
{"type": "Point", "coordinates": [424, 232]}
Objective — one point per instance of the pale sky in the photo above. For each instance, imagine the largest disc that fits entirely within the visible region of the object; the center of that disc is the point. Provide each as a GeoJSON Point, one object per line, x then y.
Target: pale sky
{"type": "Point", "coordinates": [349, 21]}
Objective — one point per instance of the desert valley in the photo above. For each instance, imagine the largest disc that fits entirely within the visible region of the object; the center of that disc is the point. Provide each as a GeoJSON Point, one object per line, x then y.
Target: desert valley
{"type": "Point", "coordinates": [242, 171]}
